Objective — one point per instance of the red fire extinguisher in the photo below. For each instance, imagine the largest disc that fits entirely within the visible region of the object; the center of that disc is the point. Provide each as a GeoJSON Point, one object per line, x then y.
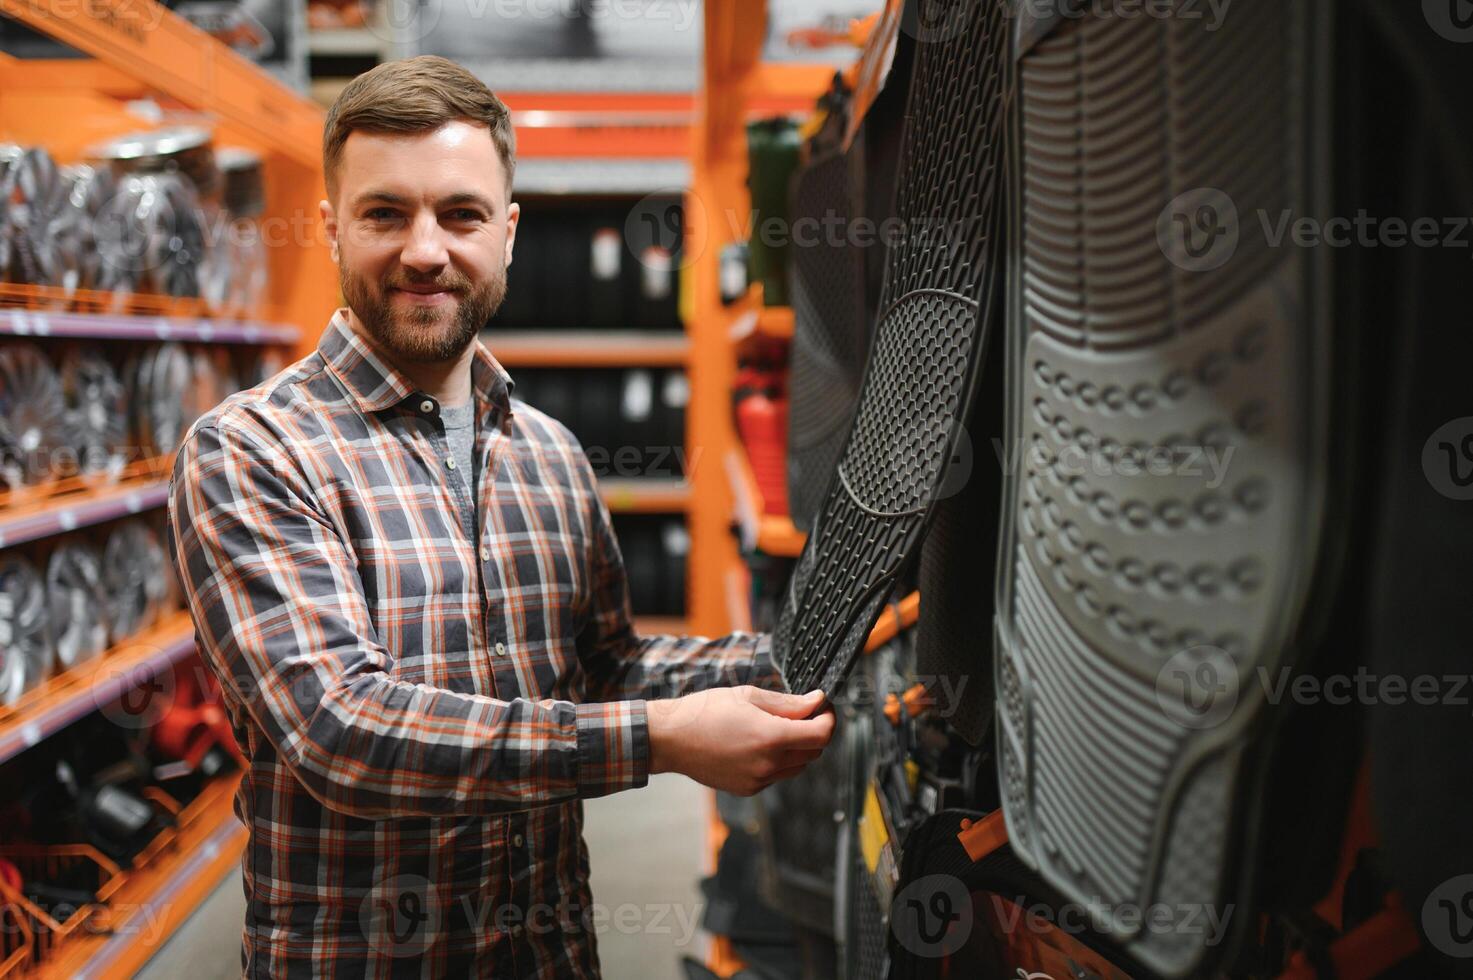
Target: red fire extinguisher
{"type": "Point", "coordinates": [762, 422]}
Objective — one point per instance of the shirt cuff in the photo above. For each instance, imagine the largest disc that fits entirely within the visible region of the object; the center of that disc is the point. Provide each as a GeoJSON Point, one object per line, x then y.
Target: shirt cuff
{"type": "Point", "coordinates": [761, 670]}
{"type": "Point", "coordinates": [613, 747]}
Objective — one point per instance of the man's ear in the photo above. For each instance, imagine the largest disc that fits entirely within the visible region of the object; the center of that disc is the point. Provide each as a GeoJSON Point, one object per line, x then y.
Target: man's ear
{"type": "Point", "coordinates": [329, 225]}
{"type": "Point", "coordinates": [513, 215]}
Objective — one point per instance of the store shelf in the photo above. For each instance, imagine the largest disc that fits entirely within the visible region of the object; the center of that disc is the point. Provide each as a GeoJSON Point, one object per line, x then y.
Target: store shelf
{"type": "Point", "coordinates": [168, 891]}
{"type": "Point", "coordinates": [777, 536]}
{"type": "Point", "coordinates": [573, 175]}
{"type": "Point", "coordinates": [660, 626]}
{"type": "Point", "coordinates": [78, 692]}
{"type": "Point", "coordinates": [109, 326]}
{"type": "Point", "coordinates": [587, 348]}
{"type": "Point", "coordinates": [758, 531]}
{"type": "Point", "coordinates": [645, 496]}
{"type": "Point", "coordinates": [59, 514]}
{"type": "Point", "coordinates": [762, 322]}
{"type": "Point", "coordinates": [149, 42]}
{"type": "Point", "coordinates": [347, 41]}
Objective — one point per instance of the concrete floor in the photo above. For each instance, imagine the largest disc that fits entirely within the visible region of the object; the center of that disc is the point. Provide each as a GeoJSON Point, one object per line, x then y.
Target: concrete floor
{"type": "Point", "coordinates": [647, 849]}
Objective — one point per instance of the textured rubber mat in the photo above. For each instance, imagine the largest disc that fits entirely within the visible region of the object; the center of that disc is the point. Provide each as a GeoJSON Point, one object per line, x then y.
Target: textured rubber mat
{"type": "Point", "coordinates": [797, 830]}
{"type": "Point", "coordinates": [830, 334]}
{"type": "Point", "coordinates": [930, 337]}
{"type": "Point", "coordinates": [1166, 383]}
{"type": "Point", "coordinates": [956, 567]}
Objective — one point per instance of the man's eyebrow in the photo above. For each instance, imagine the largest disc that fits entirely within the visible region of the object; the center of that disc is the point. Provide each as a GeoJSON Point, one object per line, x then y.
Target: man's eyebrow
{"type": "Point", "coordinates": [467, 197]}
{"type": "Point", "coordinates": [379, 196]}
{"type": "Point", "coordinates": [383, 196]}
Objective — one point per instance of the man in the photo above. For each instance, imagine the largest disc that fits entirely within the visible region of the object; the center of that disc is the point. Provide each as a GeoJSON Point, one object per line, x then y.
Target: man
{"type": "Point", "coordinates": [409, 585]}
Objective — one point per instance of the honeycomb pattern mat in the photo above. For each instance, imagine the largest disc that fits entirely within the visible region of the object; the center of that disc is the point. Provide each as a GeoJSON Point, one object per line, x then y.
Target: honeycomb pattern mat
{"type": "Point", "coordinates": [922, 367]}
{"type": "Point", "coordinates": [1165, 382]}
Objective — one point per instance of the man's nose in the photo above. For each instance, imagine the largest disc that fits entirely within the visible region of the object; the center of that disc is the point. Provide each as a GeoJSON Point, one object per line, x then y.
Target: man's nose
{"type": "Point", "coordinates": [425, 249]}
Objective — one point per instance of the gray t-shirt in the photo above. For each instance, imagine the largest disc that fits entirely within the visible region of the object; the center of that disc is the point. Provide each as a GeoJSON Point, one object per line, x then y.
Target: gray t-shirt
{"type": "Point", "coordinates": [460, 432]}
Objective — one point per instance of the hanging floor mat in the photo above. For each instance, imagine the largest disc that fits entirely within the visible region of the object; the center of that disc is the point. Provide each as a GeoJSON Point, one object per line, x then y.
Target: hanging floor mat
{"type": "Point", "coordinates": [25, 630]}
{"type": "Point", "coordinates": [830, 334]}
{"type": "Point", "coordinates": [1166, 390]}
{"type": "Point", "coordinates": [931, 336]}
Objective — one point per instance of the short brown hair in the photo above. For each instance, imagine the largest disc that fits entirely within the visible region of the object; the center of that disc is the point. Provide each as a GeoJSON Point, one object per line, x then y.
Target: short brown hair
{"type": "Point", "coordinates": [414, 95]}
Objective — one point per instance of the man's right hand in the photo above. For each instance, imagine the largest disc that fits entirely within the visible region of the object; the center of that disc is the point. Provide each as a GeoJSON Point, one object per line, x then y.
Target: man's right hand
{"type": "Point", "coordinates": [738, 739]}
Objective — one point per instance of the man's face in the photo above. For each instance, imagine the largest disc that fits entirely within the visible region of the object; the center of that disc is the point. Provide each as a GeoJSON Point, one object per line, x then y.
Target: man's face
{"type": "Point", "coordinates": [422, 230]}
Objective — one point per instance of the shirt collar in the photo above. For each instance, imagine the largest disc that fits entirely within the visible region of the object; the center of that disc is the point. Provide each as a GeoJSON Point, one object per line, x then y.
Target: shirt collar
{"type": "Point", "coordinates": [374, 384]}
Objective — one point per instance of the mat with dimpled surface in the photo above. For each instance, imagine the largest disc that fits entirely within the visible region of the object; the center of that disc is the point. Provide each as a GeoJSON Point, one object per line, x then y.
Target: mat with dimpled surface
{"type": "Point", "coordinates": [1165, 389]}
{"type": "Point", "coordinates": [932, 332]}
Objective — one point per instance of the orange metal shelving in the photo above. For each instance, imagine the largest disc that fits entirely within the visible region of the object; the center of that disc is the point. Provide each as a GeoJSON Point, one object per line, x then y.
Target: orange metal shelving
{"type": "Point", "coordinates": [644, 495]}
{"type": "Point", "coordinates": [93, 684]}
{"type": "Point", "coordinates": [588, 348]}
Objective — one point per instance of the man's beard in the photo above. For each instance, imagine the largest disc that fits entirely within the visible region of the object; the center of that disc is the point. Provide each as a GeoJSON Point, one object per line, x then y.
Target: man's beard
{"type": "Point", "coordinates": [423, 334]}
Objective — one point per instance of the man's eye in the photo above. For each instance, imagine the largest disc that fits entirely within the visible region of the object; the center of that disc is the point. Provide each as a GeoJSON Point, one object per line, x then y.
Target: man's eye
{"type": "Point", "coordinates": [380, 214]}
{"type": "Point", "coordinates": [465, 214]}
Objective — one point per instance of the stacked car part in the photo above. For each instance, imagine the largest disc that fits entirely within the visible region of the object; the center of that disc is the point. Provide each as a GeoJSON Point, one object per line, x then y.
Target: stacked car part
{"type": "Point", "coordinates": [86, 600]}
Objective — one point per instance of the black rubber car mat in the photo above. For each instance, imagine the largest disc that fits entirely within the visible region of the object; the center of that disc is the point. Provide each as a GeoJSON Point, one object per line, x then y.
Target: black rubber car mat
{"type": "Point", "coordinates": [1165, 393]}
{"type": "Point", "coordinates": [953, 633]}
{"type": "Point", "coordinates": [932, 333]}
{"type": "Point", "coordinates": [830, 333]}
{"type": "Point", "coordinates": [797, 831]}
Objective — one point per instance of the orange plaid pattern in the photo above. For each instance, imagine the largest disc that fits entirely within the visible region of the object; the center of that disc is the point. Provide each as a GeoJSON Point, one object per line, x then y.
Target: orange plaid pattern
{"type": "Point", "coordinates": [425, 685]}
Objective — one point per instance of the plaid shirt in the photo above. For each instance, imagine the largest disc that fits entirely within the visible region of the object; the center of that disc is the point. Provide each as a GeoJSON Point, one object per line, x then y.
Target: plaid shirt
{"type": "Point", "coordinates": [425, 689]}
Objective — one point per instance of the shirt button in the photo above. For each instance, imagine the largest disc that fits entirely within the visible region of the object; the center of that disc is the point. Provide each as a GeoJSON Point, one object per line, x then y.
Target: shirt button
{"type": "Point", "coordinates": [427, 406]}
{"type": "Point", "coordinates": [450, 464]}
{"type": "Point", "coordinates": [485, 553]}
{"type": "Point", "coordinates": [517, 841]}
{"type": "Point", "coordinates": [501, 649]}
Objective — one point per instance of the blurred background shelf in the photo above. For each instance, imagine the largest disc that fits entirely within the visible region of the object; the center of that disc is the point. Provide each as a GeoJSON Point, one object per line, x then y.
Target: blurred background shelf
{"type": "Point", "coordinates": [660, 625]}
{"type": "Point", "coordinates": [168, 891]}
{"type": "Point", "coordinates": [587, 348]}
{"type": "Point", "coordinates": [23, 521]}
{"type": "Point", "coordinates": [122, 326]}
{"type": "Point", "coordinates": [89, 686]}
{"type": "Point", "coordinates": [626, 495]}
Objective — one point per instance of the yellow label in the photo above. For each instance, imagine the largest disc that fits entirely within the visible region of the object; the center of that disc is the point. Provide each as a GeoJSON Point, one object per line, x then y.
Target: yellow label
{"type": "Point", "coordinates": [872, 834]}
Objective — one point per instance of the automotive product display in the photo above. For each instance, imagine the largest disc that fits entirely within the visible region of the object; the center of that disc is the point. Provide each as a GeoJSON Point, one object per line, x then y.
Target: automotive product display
{"type": "Point", "coordinates": [34, 432]}
{"type": "Point", "coordinates": [136, 575]}
{"type": "Point", "coordinates": [931, 336]}
{"type": "Point", "coordinates": [1136, 592]}
{"type": "Point", "coordinates": [78, 605]}
{"type": "Point", "coordinates": [97, 409]}
{"type": "Point", "coordinates": [26, 651]}
{"type": "Point", "coordinates": [34, 194]}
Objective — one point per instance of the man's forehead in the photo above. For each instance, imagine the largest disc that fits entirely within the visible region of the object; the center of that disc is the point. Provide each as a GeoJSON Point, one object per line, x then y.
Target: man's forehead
{"type": "Point", "coordinates": [455, 157]}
